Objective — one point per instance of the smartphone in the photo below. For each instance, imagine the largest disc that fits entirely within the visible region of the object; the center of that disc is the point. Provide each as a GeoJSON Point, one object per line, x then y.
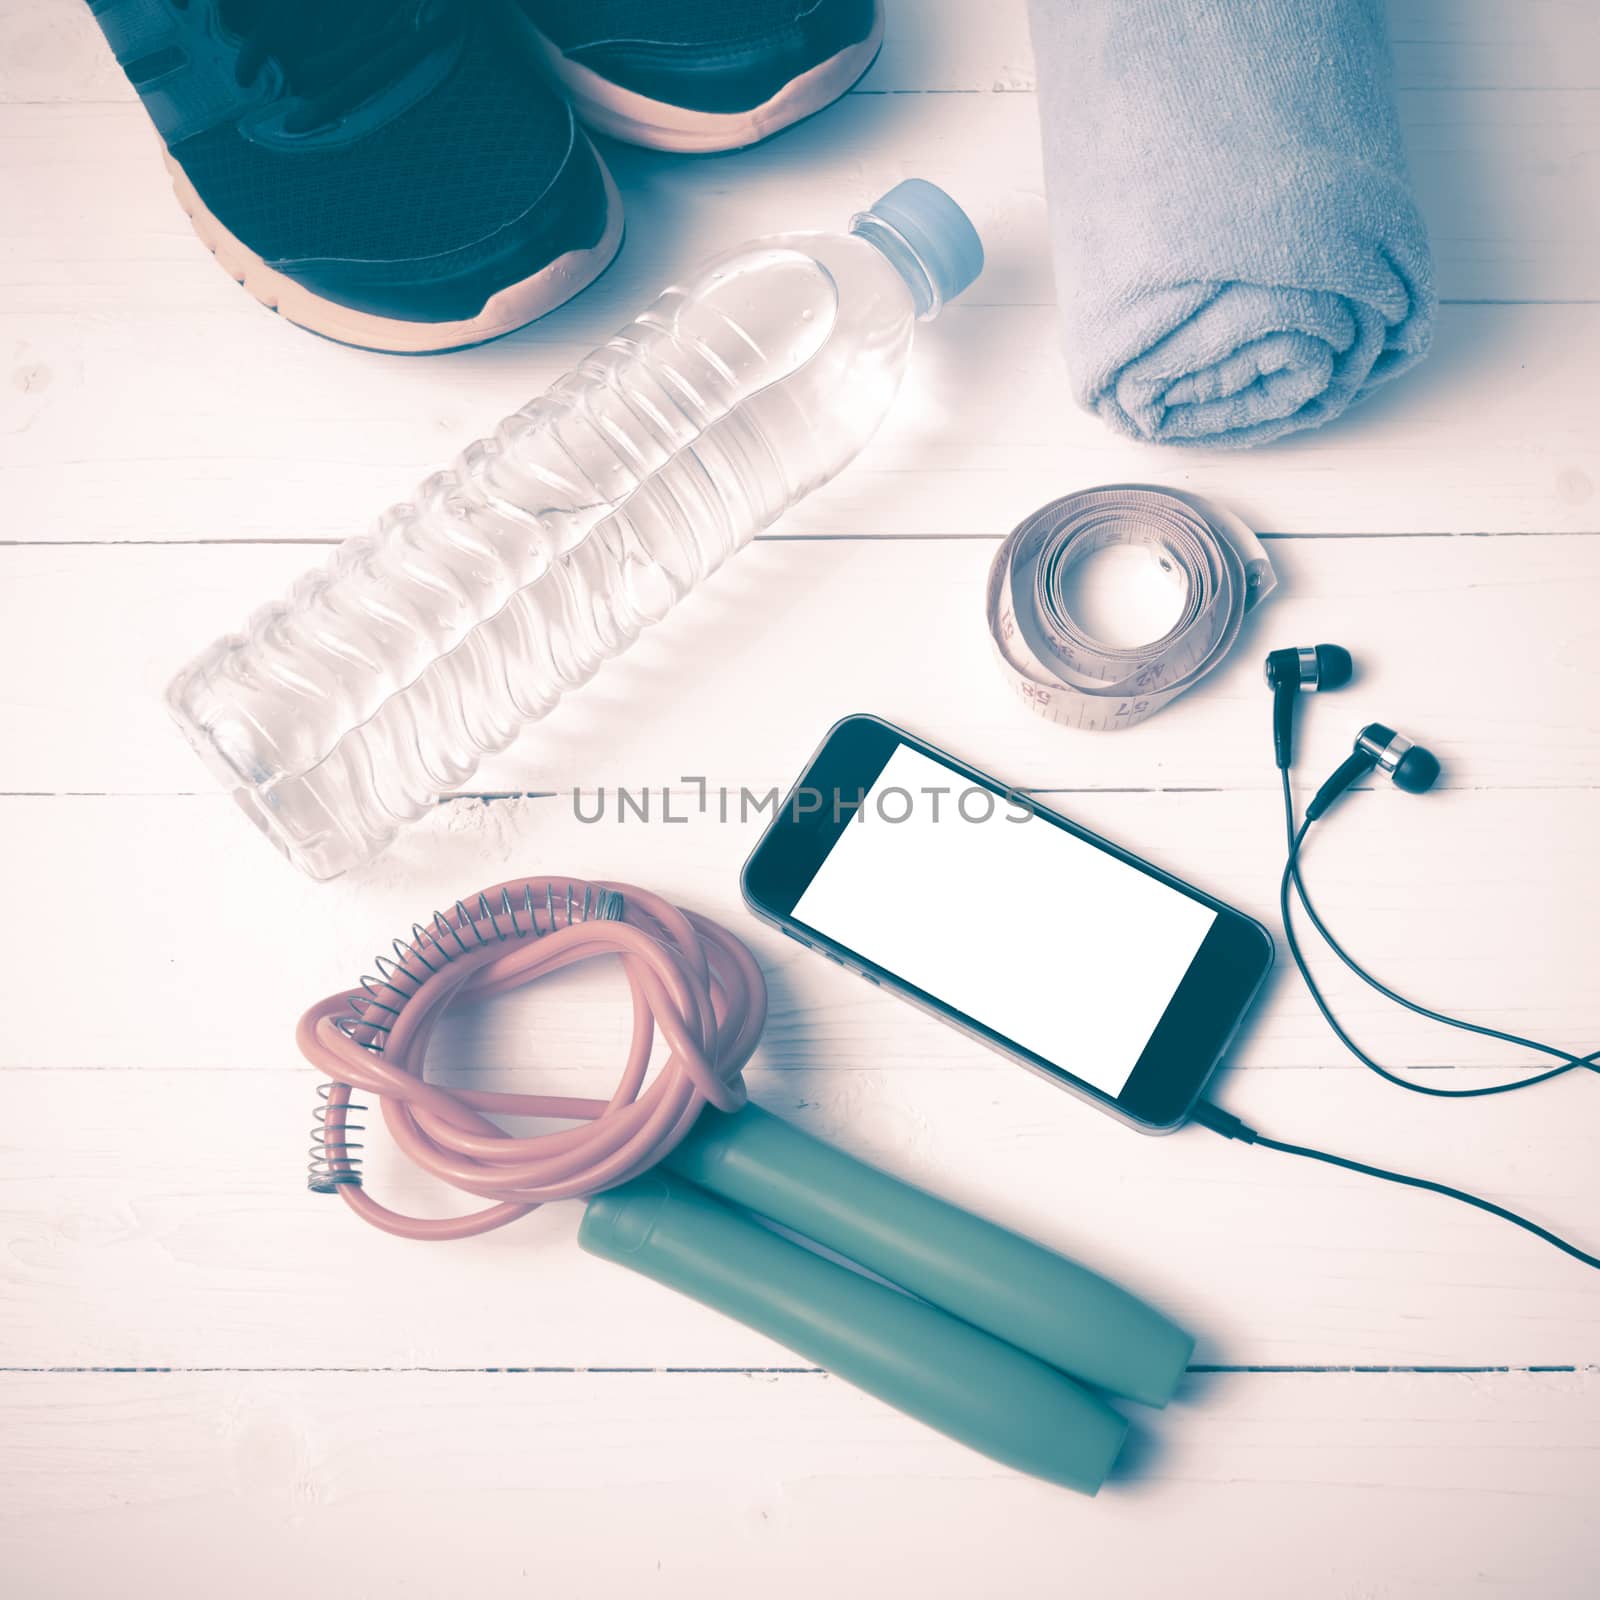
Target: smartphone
{"type": "Point", "coordinates": [1097, 970]}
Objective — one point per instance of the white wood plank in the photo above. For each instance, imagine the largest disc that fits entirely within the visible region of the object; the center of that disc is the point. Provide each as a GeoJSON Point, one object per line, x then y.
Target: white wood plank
{"type": "Point", "coordinates": [118, 429]}
{"type": "Point", "coordinates": [129, 424]}
{"type": "Point", "coordinates": [1545, 44]}
{"type": "Point", "coordinates": [1465, 44]}
{"type": "Point", "coordinates": [689, 1485]}
{"type": "Point", "coordinates": [1483, 649]}
{"type": "Point", "coordinates": [947, 45]}
{"type": "Point", "coordinates": [159, 1218]}
{"type": "Point", "coordinates": [51, 50]}
{"type": "Point", "coordinates": [150, 399]}
{"type": "Point", "coordinates": [1472, 900]}
{"type": "Point", "coordinates": [1505, 178]}
{"type": "Point", "coordinates": [151, 1212]}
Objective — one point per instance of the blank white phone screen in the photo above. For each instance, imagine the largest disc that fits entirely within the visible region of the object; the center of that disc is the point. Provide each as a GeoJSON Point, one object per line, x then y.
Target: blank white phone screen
{"type": "Point", "coordinates": [1046, 940]}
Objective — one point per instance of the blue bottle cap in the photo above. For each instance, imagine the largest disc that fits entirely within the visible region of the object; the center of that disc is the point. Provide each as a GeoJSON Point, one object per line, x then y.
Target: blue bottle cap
{"type": "Point", "coordinates": [938, 230]}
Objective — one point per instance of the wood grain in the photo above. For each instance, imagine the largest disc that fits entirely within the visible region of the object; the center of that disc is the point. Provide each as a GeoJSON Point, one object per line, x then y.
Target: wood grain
{"type": "Point", "coordinates": [51, 51]}
{"type": "Point", "coordinates": [134, 427]}
{"type": "Point", "coordinates": [125, 418]}
{"type": "Point", "coordinates": [171, 455]}
{"type": "Point", "coordinates": [680, 1486]}
{"type": "Point", "coordinates": [1470, 900]}
{"type": "Point", "coordinates": [168, 1225]}
{"type": "Point", "coordinates": [1481, 648]}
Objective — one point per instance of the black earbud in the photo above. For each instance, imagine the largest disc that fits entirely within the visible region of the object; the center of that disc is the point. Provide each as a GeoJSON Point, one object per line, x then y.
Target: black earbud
{"type": "Point", "coordinates": [1411, 767]}
{"type": "Point", "coordinates": [1328, 666]}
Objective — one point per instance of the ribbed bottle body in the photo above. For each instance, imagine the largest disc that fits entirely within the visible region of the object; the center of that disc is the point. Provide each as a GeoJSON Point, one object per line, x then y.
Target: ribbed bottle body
{"type": "Point", "coordinates": [381, 680]}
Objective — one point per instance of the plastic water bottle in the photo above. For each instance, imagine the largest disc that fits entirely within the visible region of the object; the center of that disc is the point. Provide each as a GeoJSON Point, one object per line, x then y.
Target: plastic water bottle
{"type": "Point", "coordinates": [349, 707]}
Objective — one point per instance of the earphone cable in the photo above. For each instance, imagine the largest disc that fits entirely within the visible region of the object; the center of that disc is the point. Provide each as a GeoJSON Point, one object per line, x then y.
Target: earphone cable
{"type": "Point", "coordinates": [1292, 881]}
{"type": "Point", "coordinates": [1230, 1127]}
{"type": "Point", "coordinates": [1413, 769]}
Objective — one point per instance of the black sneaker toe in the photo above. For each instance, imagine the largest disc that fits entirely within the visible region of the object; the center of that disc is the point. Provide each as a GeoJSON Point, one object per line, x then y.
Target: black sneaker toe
{"type": "Point", "coordinates": [730, 59]}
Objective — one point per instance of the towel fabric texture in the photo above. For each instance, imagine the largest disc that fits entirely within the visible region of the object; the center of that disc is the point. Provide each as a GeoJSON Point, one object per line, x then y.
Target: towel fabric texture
{"type": "Point", "coordinates": [1237, 251]}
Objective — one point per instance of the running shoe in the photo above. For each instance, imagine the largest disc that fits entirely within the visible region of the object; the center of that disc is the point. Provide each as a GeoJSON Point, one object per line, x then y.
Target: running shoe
{"type": "Point", "coordinates": [395, 174]}
{"type": "Point", "coordinates": [702, 75]}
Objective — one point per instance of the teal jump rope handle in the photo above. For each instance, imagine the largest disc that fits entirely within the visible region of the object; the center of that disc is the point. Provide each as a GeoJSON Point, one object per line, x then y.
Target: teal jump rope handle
{"type": "Point", "coordinates": [913, 1356]}
{"type": "Point", "coordinates": [988, 1276]}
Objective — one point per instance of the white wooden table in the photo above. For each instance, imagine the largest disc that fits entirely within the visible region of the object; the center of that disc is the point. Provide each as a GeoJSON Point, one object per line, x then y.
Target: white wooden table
{"type": "Point", "coordinates": [216, 1383]}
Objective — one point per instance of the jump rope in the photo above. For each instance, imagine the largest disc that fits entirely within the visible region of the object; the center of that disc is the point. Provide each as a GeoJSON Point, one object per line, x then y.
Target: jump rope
{"type": "Point", "coordinates": [974, 1330]}
{"type": "Point", "coordinates": [695, 983]}
{"type": "Point", "coordinates": [688, 978]}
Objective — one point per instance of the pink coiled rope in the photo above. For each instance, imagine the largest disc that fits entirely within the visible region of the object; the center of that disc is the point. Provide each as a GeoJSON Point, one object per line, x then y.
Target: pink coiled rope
{"type": "Point", "coordinates": [688, 977]}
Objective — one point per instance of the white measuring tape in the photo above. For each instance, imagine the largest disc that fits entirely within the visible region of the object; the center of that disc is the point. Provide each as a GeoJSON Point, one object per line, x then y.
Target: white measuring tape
{"type": "Point", "coordinates": [1068, 675]}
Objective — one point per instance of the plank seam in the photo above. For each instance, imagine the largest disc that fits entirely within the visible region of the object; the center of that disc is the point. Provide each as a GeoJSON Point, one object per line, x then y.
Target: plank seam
{"type": "Point", "coordinates": [332, 542]}
{"type": "Point", "coordinates": [490, 797]}
{"type": "Point", "coordinates": [1205, 1368]}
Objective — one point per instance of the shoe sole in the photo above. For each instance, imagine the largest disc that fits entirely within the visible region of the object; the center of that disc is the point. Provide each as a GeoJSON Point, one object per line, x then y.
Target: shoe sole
{"type": "Point", "coordinates": [620, 113]}
{"type": "Point", "coordinates": [505, 311]}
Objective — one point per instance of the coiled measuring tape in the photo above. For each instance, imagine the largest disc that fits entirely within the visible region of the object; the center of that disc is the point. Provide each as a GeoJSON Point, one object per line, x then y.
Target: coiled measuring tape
{"type": "Point", "coordinates": [1065, 673]}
